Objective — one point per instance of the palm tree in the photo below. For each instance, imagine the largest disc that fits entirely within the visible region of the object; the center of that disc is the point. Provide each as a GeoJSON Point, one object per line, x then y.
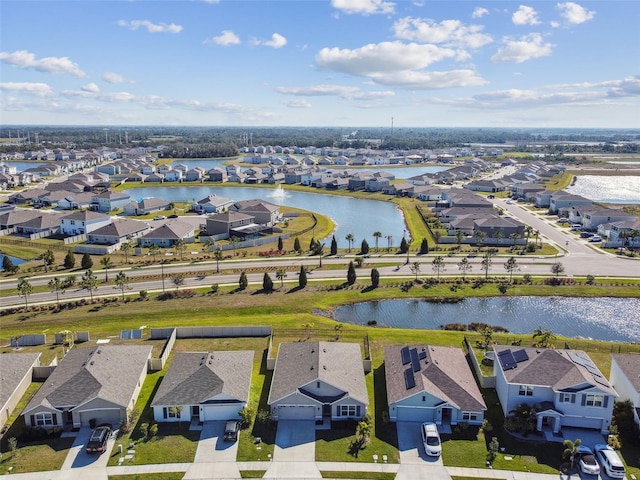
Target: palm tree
{"type": "Point", "coordinates": [218, 256]}
{"type": "Point", "coordinates": [377, 236]}
{"type": "Point", "coordinates": [459, 237]}
{"type": "Point", "coordinates": [106, 264]}
{"type": "Point", "coordinates": [511, 266]}
{"type": "Point", "coordinates": [486, 264]}
{"type": "Point", "coordinates": [180, 247]}
{"type": "Point", "coordinates": [480, 237]}
{"type": "Point", "coordinates": [208, 245]}
{"type": "Point", "coordinates": [570, 450]}
{"type": "Point", "coordinates": [47, 259]}
{"type": "Point", "coordinates": [464, 266]}
{"type": "Point", "coordinates": [536, 235]}
{"type": "Point", "coordinates": [126, 248]}
{"type": "Point", "coordinates": [281, 273]}
{"type": "Point", "coordinates": [234, 242]}
{"type": "Point", "coordinates": [349, 238]}
{"type": "Point", "coordinates": [389, 242]}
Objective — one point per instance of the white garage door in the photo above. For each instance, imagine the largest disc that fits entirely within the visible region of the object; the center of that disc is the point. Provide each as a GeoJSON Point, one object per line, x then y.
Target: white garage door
{"type": "Point", "coordinates": [415, 414]}
{"type": "Point", "coordinates": [220, 412]}
{"type": "Point", "coordinates": [295, 412]}
{"type": "Point", "coordinates": [101, 416]}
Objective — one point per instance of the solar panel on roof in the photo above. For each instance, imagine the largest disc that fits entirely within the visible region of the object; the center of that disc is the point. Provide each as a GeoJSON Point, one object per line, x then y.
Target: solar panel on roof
{"type": "Point", "coordinates": [601, 382]}
{"type": "Point", "coordinates": [409, 379]}
{"type": "Point", "coordinates": [506, 360]}
{"type": "Point", "coordinates": [594, 371]}
{"type": "Point", "coordinates": [520, 356]}
{"type": "Point", "coordinates": [422, 355]}
{"type": "Point", "coordinates": [415, 361]}
{"type": "Point", "coordinates": [406, 358]}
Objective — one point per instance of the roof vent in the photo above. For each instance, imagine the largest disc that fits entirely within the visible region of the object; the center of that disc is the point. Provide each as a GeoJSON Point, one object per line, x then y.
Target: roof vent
{"type": "Point", "coordinates": [311, 367]}
{"type": "Point", "coordinates": [324, 367]}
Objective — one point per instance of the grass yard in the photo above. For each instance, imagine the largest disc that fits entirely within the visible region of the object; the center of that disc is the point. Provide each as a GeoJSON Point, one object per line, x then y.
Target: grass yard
{"type": "Point", "coordinates": [252, 473]}
{"type": "Point", "coordinates": [37, 457]}
{"type": "Point", "coordinates": [358, 475]}
{"type": "Point", "coordinates": [149, 476]}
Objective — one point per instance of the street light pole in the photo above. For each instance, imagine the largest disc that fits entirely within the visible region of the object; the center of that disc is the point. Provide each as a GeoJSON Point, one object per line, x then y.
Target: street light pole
{"type": "Point", "coordinates": [162, 269]}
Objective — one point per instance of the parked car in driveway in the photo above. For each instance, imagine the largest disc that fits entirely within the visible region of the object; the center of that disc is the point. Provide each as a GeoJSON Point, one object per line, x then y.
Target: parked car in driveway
{"type": "Point", "coordinates": [586, 234]}
{"type": "Point", "coordinates": [610, 461]}
{"type": "Point", "coordinates": [587, 461]}
{"type": "Point", "coordinates": [98, 441]}
{"type": "Point", "coordinates": [231, 429]}
{"type": "Point", "coordinates": [431, 439]}
{"type": "Point", "coordinates": [595, 238]}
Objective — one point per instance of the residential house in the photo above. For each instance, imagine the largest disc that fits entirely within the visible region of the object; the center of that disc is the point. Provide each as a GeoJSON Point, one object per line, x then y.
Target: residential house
{"type": "Point", "coordinates": [174, 175]}
{"type": "Point", "coordinates": [426, 383]}
{"type": "Point", "coordinates": [212, 204]}
{"type": "Point", "coordinates": [146, 206]}
{"type": "Point", "coordinates": [169, 234]}
{"type": "Point", "coordinates": [15, 377]}
{"type": "Point", "coordinates": [119, 230]}
{"type": "Point", "coordinates": [265, 213]}
{"type": "Point", "coordinates": [16, 217]}
{"type": "Point", "coordinates": [108, 201]}
{"type": "Point", "coordinates": [204, 386]}
{"type": "Point", "coordinates": [566, 385]}
{"type": "Point", "coordinates": [98, 384]}
{"type": "Point", "coordinates": [83, 222]}
{"type": "Point", "coordinates": [314, 380]}
{"type": "Point", "coordinates": [46, 222]}
{"type": "Point", "coordinates": [217, 175]}
{"type": "Point", "coordinates": [625, 378]}
{"type": "Point", "coordinates": [196, 174]}
{"type": "Point", "coordinates": [76, 201]}
{"type": "Point", "coordinates": [625, 233]}
{"type": "Point", "coordinates": [563, 200]}
{"type": "Point", "coordinates": [596, 216]}
{"type": "Point", "coordinates": [228, 223]}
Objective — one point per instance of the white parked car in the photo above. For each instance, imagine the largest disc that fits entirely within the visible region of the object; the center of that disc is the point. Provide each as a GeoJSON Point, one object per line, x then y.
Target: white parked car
{"type": "Point", "coordinates": [587, 461]}
{"type": "Point", "coordinates": [431, 439]}
{"type": "Point", "coordinates": [595, 238]}
{"type": "Point", "coordinates": [610, 461]}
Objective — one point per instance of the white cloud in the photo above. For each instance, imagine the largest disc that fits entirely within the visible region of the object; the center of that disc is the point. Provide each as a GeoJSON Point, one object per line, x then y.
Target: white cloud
{"type": "Point", "coordinates": [526, 48]}
{"type": "Point", "coordinates": [414, 80]}
{"type": "Point", "coordinates": [25, 59]}
{"type": "Point", "coordinates": [574, 13]}
{"type": "Point", "coordinates": [150, 26]}
{"type": "Point", "coordinates": [381, 57]}
{"type": "Point", "coordinates": [347, 93]}
{"type": "Point", "coordinates": [91, 88]}
{"type": "Point", "coordinates": [525, 15]}
{"type": "Point", "coordinates": [112, 77]}
{"type": "Point", "coordinates": [447, 32]}
{"type": "Point", "coordinates": [277, 41]}
{"type": "Point", "coordinates": [37, 89]}
{"type": "Point", "coordinates": [211, 1]}
{"type": "Point", "coordinates": [226, 38]}
{"type": "Point", "coordinates": [364, 7]}
{"type": "Point", "coordinates": [479, 12]}
{"type": "Point", "coordinates": [298, 103]}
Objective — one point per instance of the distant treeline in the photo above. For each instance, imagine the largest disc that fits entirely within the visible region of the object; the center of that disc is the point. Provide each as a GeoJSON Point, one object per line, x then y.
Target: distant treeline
{"type": "Point", "coordinates": [207, 142]}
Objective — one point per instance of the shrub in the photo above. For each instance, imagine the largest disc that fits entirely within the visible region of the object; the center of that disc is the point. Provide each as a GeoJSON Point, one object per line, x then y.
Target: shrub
{"type": "Point", "coordinates": [153, 430]}
{"type": "Point", "coordinates": [246, 415]}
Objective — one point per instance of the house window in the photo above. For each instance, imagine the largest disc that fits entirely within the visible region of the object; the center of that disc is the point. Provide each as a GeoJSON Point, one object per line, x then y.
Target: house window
{"type": "Point", "coordinates": [43, 419]}
{"type": "Point", "coordinates": [348, 410]}
{"type": "Point", "coordinates": [594, 400]}
{"type": "Point", "coordinates": [469, 416]}
{"type": "Point", "coordinates": [567, 398]}
{"type": "Point", "coordinates": [73, 222]}
{"type": "Point", "coordinates": [525, 391]}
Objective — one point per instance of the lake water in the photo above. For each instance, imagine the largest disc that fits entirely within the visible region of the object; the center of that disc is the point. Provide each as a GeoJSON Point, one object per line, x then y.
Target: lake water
{"type": "Point", "coordinates": [360, 217]}
{"type": "Point", "coordinates": [604, 318]}
{"type": "Point", "coordinates": [16, 261]}
{"type": "Point", "coordinates": [607, 189]}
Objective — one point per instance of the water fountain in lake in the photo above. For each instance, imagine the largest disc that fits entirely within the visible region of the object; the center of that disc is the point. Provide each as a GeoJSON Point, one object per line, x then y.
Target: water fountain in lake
{"type": "Point", "coordinates": [279, 192]}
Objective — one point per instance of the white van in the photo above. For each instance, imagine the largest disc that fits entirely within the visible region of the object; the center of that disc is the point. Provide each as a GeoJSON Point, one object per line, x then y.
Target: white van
{"type": "Point", "coordinates": [610, 461]}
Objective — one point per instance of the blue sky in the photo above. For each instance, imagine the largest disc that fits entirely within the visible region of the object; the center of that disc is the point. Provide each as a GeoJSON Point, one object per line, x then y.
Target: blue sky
{"type": "Point", "coordinates": [320, 63]}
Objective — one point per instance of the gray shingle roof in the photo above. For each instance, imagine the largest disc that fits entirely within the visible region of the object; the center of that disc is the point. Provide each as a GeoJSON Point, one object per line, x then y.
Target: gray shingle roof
{"type": "Point", "coordinates": [444, 373]}
{"type": "Point", "coordinates": [13, 368]}
{"type": "Point", "coordinates": [552, 368]}
{"type": "Point", "coordinates": [195, 377]}
{"type": "Point", "coordinates": [108, 372]}
{"type": "Point", "coordinates": [121, 228]}
{"type": "Point", "coordinates": [629, 363]}
{"type": "Point", "coordinates": [338, 364]}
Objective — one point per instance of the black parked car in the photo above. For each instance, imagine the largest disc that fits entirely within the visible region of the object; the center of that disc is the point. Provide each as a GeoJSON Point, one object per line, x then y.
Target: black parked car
{"type": "Point", "coordinates": [99, 437]}
{"type": "Point", "coordinates": [231, 429]}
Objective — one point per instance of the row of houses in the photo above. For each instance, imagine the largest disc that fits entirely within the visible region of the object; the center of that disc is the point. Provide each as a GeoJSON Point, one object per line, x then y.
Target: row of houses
{"type": "Point", "coordinates": [322, 381]}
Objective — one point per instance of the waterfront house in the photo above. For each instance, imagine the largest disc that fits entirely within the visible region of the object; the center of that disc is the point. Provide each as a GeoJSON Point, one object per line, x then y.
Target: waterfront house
{"type": "Point", "coordinates": [169, 234]}
{"type": "Point", "coordinates": [561, 199]}
{"type": "Point", "coordinates": [264, 213]}
{"type": "Point", "coordinates": [91, 385]}
{"type": "Point", "coordinates": [82, 222]}
{"type": "Point", "coordinates": [204, 386]}
{"type": "Point", "coordinates": [226, 223]}
{"type": "Point", "coordinates": [316, 380]}
{"type": "Point", "coordinates": [566, 385]}
{"type": "Point", "coordinates": [146, 206]}
{"type": "Point", "coordinates": [427, 383]}
{"type": "Point", "coordinates": [212, 204]}
{"type": "Point", "coordinates": [108, 201]}
{"type": "Point", "coordinates": [625, 378]}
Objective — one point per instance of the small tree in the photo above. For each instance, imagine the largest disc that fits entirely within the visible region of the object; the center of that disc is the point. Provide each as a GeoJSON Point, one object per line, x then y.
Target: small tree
{"type": "Point", "coordinates": [364, 247]}
{"type": "Point", "coordinates": [87, 262]}
{"type": "Point", "coordinates": [122, 282]}
{"type": "Point", "coordinates": [363, 431]}
{"type": "Point", "coordinates": [404, 245]}
{"type": "Point", "coordinates": [126, 248]}
{"type": "Point", "coordinates": [243, 283]}
{"type": "Point", "coordinates": [180, 247]}
{"type": "Point", "coordinates": [424, 247]}
{"type": "Point", "coordinates": [349, 238]}
{"type": "Point", "coordinates": [218, 255]}
{"type": "Point", "coordinates": [543, 338]}
{"type": "Point", "coordinates": [302, 277]}
{"type": "Point", "coordinates": [56, 286]}
{"type": "Point", "coordinates": [375, 278]}
{"type": "Point", "coordinates": [69, 260]}
{"type": "Point", "coordinates": [492, 453]}
{"type": "Point", "coordinates": [246, 415]}
{"type": "Point", "coordinates": [438, 266]}
{"type": "Point", "coordinates": [377, 236]}
{"type": "Point", "coordinates": [178, 280]}
{"type": "Point", "coordinates": [154, 250]}
{"type": "Point", "coordinates": [334, 245]}
{"type": "Point", "coordinates": [296, 245]}
{"type": "Point", "coordinates": [415, 268]}
{"type": "Point", "coordinates": [351, 274]}
{"type": "Point", "coordinates": [280, 245]}
{"type": "Point", "coordinates": [89, 282]}
{"type": "Point", "coordinates": [7, 265]}
{"type": "Point", "coordinates": [570, 450]}
{"type": "Point", "coordinates": [48, 258]}
{"type": "Point", "coordinates": [267, 283]}
{"type": "Point", "coordinates": [557, 269]}
{"type": "Point", "coordinates": [24, 290]}
{"type": "Point", "coordinates": [464, 266]}
{"type": "Point", "coordinates": [281, 274]}
{"type": "Point", "coordinates": [485, 265]}
{"type": "Point", "coordinates": [511, 266]}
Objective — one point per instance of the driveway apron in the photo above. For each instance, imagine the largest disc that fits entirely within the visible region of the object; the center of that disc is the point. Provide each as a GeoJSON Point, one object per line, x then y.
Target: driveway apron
{"type": "Point", "coordinates": [214, 457]}
{"type": "Point", "coordinates": [295, 441]}
{"type": "Point", "coordinates": [410, 446]}
{"type": "Point", "coordinates": [79, 458]}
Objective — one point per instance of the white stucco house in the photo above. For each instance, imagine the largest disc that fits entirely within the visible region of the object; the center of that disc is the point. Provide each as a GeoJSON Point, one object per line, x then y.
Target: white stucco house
{"type": "Point", "coordinates": [426, 383]}
{"type": "Point", "coordinates": [205, 386]}
{"type": "Point", "coordinates": [318, 380]}
{"type": "Point", "coordinates": [625, 378]}
{"type": "Point", "coordinates": [566, 387]}
{"type": "Point", "coordinates": [83, 222]}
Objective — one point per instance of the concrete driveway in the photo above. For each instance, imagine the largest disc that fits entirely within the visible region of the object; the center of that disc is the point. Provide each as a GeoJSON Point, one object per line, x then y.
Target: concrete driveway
{"type": "Point", "coordinates": [410, 446]}
{"type": "Point", "coordinates": [79, 458]}
{"type": "Point", "coordinates": [214, 457]}
{"type": "Point", "coordinates": [295, 441]}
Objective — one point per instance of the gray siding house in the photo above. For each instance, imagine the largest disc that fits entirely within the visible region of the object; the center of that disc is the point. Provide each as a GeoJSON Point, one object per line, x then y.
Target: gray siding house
{"type": "Point", "coordinates": [625, 377]}
{"type": "Point", "coordinates": [15, 377]}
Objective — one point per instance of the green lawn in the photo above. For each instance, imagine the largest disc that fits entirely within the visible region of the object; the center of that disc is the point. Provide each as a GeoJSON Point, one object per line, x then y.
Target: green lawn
{"type": "Point", "coordinates": [149, 476]}
{"type": "Point", "coordinates": [36, 457]}
{"type": "Point", "coordinates": [358, 475]}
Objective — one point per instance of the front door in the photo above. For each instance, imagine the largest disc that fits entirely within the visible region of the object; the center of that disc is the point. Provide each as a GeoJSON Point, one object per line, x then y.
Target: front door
{"type": "Point", "coordinates": [326, 410]}
{"type": "Point", "coordinates": [446, 416]}
{"type": "Point", "coordinates": [195, 411]}
{"type": "Point", "coordinates": [68, 417]}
